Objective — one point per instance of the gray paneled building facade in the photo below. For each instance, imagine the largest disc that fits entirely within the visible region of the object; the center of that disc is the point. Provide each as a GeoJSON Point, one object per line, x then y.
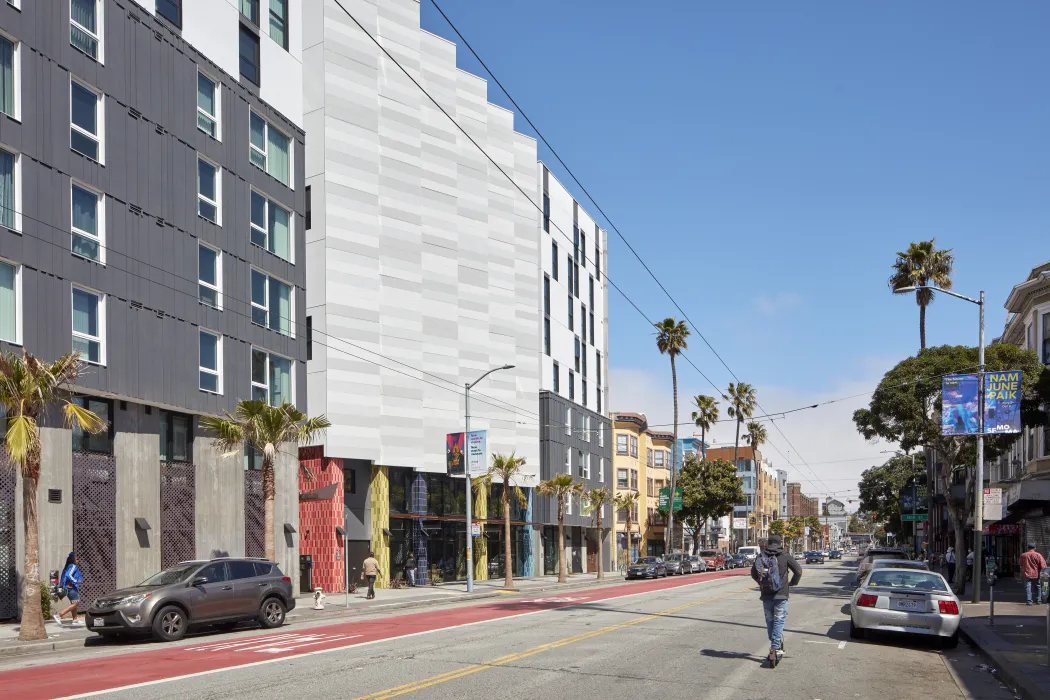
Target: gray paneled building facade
{"type": "Point", "coordinates": [151, 216]}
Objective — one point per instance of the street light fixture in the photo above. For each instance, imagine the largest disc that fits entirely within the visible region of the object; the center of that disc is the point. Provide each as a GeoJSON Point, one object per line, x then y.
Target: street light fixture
{"type": "Point", "coordinates": [978, 506]}
{"type": "Point", "coordinates": [466, 472]}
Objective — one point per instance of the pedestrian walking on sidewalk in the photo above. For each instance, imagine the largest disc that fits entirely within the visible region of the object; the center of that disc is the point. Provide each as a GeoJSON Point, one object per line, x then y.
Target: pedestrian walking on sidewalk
{"type": "Point", "coordinates": [949, 559]}
{"type": "Point", "coordinates": [369, 570]}
{"type": "Point", "coordinates": [770, 570]}
{"type": "Point", "coordinates": [1032, 563]}
{"type": "Point", "coordinates": [410, 569]}
{"type": "Point", "coordinates": [969, 564]}
{"type": "Point", "coordinates": [71, 579]}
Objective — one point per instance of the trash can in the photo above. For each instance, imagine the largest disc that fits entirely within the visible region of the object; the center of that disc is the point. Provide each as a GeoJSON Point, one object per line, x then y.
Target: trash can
{"type": "Point", "coordinates": [306, 573]}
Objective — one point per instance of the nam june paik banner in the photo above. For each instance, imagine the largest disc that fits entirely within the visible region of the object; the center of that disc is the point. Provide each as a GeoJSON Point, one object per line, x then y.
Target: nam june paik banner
{"type": "Point", "coordinates": [959, 404]}
{"type": "Point", "coordinates": [1002, 402]}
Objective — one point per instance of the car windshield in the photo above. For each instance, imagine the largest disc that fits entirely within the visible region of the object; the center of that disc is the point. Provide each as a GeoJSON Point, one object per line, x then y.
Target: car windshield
{"type": "Point", "coordinates": [875, 556]}
{"type": "Point", "coordinates": [647, 560]}
{"type": "Point", "coordinates": [177, 573]}
{"type": "Point", "coordinates": [889, 563]}
{"type": "Point", "coordinates": [673, 557]}
{"type": "Point", "coordinates": [708, 553]}
{"type": "Point", "coordinates": [912, 580]}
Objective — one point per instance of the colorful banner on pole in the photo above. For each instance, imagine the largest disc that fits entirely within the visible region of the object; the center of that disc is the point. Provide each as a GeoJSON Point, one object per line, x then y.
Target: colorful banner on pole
{"type": "Point", "coordinates": [1002, 402]}
{"type": "Point", "coordinates": [477, 453]}
{"type": "Point", "coordinates": [959, 408]}
{"type": "Point", "coordinates": [454, 456]}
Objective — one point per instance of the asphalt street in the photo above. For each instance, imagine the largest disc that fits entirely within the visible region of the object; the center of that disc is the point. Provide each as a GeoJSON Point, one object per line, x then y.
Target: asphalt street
{"type": "Point", "coordinates": [706, 640]}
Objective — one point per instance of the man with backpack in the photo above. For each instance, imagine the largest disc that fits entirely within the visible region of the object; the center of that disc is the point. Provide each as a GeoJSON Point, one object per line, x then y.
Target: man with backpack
{"type": "Point", "coordinates": [770, 570]}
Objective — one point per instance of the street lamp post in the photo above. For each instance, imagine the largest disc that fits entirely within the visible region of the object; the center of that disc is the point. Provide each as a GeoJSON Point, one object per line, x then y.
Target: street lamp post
{"type": "Point", "coordinates": [978, 505]}
{"type": "Point", "coordinates": [466, 473]}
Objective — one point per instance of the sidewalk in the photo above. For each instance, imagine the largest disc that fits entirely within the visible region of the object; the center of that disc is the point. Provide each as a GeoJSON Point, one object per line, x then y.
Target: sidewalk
{"type": "Point", "coordinates": [337, 605]}
{"type": "Point", "coordinates": [1017, 642]}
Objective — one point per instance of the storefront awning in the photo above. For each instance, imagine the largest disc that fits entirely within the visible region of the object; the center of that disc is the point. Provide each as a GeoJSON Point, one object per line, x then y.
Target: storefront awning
{"type": "Point", "coordinates": [1026, 495]}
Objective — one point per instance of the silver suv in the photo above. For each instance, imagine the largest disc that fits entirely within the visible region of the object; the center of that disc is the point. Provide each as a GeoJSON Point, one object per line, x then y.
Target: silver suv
{"type": "Point", "coordinates": [220, 592]}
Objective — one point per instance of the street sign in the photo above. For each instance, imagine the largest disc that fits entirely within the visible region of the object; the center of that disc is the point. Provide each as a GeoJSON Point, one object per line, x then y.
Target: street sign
{"type": "Point", "coordinates": [993, 505]}
{"type": "Point", "coordinates": [914, 517]}
{"type": "Point", "coordinates": [665, 494]}
{"type": "Point", "coordinates": [739, 523]}
{"type": "Point", "coordinates": [475, 529]}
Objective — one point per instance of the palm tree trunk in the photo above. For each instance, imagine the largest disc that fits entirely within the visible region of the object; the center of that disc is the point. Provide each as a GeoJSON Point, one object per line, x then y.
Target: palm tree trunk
{"type": "Point", "coordinates": [561, 540]}
{"type": "Point", "coordinates": [628, 552]}
{"type": "Point", "coordinates": [674, 461]}
{"type": "Point", "coordinates": [601, 541]}
{"type": "Point", "coordinates": [268, 497]}
{"type": "Point", "coordinates": [732, 513]}
{"type": "Point", "coordinates": [32, 628]}
{"type": "Point", "coordinates": [922, 327]}
{"type": "Point", "coordinates": [508, 572]}
{"type": "Point", "coordinates": [703, 444]}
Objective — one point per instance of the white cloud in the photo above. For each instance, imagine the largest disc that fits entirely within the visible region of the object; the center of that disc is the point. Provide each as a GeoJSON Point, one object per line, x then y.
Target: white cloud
{"type": "Point", "coordinates": [825, 437]}
{"type": "Point", "coordinates": [781, 302]}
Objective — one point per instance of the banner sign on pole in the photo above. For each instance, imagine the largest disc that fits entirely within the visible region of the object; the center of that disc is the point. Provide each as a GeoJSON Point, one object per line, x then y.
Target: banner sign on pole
{"type": "Point", "coordinates": [477, 453]}
{"type": "Point", "coordinates": [959, 404]}
{"type": "Point", "coordinates": [454, 454]}
{"type": "Point", "coordinates": [1002, 402]}
{"type": "Point", "coordinates": [665, 495]}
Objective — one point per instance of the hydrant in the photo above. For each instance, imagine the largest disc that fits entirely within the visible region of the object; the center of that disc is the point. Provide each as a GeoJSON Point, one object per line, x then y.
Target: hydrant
{"type": "Point", "coordinates": [319, 597]}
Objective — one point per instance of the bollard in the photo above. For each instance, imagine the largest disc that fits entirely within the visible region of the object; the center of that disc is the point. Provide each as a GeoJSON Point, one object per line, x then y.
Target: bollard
{"type": "Point", "coordinates": [319, 597]}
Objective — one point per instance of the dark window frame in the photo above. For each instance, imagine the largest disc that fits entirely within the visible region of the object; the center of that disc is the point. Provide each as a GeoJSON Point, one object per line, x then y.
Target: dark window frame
{"type": "Point", "coordinates": [246, 29]}
{"type": "Point", "coordinates": [84, 439]}
{"type": "Point", "coordinates": [309, 337]}
{"type": "Point", "coordinates": [309, 210]}
{"type": "Point", "coordinates": [554, 260]}
{"type": "Point", "coordinates": [255, 5]}
{"type": "Point", "coordinates": [175, 5]}
{"type": "Point", "coordinates": [349, 475]}
{"type": "Point", "coordinates": [168, 450]}
{"type": "Point", "coordinates": [557, 378]}
{"type": "Point", "coordinates": [285, 20]}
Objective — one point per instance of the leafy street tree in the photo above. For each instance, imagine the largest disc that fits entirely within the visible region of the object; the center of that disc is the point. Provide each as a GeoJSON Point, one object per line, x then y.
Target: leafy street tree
{"type": "Point", "coordinates": [507, 468]}
{"type": "Point", "coordinates": [705, 416]}
{"type": "Point", "coordinates": [625, 501]}
{"type": "Point", "coordinates": [906, 409]}
{"type": "Point", "coordinates": [880, 488]}
{"type": "Point", "coordinates": [28, 388]}
{"type": "Point", "coordinates": [756, 437]}
{"type": "Point", "coordinates": [815, 528]}
{"type": "Point", "coordinates": [922, 265]}
{"type": "Point", "coordinates": [561, 487]}
{"type": "Point", "coordinates": [778, 527]}
{"type": "Point", "coordinates": [264, 428]}
{"type": "Point", "coordinates": [710, 489]}
{"type": "Point", "coordinates": [856, 524]}
{"type": "Point", "coordinates": [670, 340]}
{"type": "Point", "coordinates": [597, 499]}
{"type": "Point", "coordinates": [796, 530]}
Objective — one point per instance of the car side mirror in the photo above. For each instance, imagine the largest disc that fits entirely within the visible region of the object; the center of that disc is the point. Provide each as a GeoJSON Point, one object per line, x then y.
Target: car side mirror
{"type": "Point", "coordinates": [199, 581]}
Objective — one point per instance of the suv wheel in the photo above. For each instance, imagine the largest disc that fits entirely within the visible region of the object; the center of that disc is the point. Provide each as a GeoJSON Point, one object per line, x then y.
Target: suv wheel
{"type": "Point", "coordinates": [170, 624]}
{"type": "Point", "coordinates": [271, 614]}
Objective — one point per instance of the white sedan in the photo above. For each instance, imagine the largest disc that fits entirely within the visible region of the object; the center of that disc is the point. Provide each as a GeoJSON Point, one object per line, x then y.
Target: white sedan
{"type": "Point", "coordinates": [906, 600]}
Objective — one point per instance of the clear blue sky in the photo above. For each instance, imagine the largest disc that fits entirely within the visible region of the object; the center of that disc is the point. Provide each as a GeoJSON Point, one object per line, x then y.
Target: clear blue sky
{"type": "Point", "coordinates": [768, 159]}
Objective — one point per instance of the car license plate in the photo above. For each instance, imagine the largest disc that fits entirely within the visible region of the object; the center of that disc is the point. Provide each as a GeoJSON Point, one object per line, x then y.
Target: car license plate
{"type": "Point", "coordinates": [908, 604]}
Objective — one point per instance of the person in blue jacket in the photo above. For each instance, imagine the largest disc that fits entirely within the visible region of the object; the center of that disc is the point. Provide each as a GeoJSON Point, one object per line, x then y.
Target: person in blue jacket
{"type": "Point", "coordinates": [71, 579]}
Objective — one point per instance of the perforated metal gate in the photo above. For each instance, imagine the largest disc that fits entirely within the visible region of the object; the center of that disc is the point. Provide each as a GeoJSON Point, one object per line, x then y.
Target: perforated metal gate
{"type": "Point", "coordinates": [8, 579]}
{"type": "Point", "coordinates": [94, 523]}
{"type": "Point", "coordinates": [254, 545]}
{"type": "Point", "coordinates": [178, 494]}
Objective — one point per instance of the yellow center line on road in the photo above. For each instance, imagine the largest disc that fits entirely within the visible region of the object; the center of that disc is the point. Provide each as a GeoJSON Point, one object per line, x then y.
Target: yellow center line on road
{"type": "Point", "coordinates": [510, 658]}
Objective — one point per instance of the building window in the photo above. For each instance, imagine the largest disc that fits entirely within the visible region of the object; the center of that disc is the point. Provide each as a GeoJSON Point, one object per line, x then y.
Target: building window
{"type": "Point", "coordinates": [208, 93]}
{"type": "Point", "coordinates": [592, 328]}
{"type": "Point", "coordinates": [210, 362]}
{"type": "Point", "coordinates": [568, 421]}
{"type": "Point", "coordinates": [557, 378]}
{"type": "Point", "coordinates": [601, 470]}
{"type": "Point", "coordinates": [9, 77]}
{"type": "Point", "coordinates": [176, 437]}
{"type": "Point", "coordinates": [10, 302]}
{"type": "Point", "coordinates": [271, 226]}
{"type": "Point", "coordinates": [577, 353]}
{"type": "Point", "coordinates": [583, 359]}
{"type": "Point", "coordinates": [269, 148]}
{"type": "Point", "coordinates": [575, 242]}
{"type": "Point", "coordinates": [547, 295]}
{"type": "Point", "coordinates": [1046, 339]}
{"type": "Point", "coordinates": [568, 504]}
{"type": "Point", "coordinates": [309, 208]}
{"type": "Point", "coordinates": [598, 400]}
{"type": "Point", "coordinates": [648, 457]}
{"type": "Point", "coordinates": [597, 259]}
{"type": "Point", "coordinates": [572, 386]}
{"type": "Point", "coordinates": [598, 367]}
{"type": "Point", "coordinates": [349, 480]}
{"type": "Point", "coordinates": [209, 276]}
{"type": "Point", "coordinates": [572, 322]}
{"type": "Point", "coordinates": [581, 470]}
{"type": "Point", "coordinates": [250, 9]}
{"type": "Point", "coordinates": [86, 219]}
{"type": "Point", "coordinates": [89, 325]}
{"type": "Point", "coordinates": [568, 266]}
{"type": "Point", "coordinates": [547, 336]}
{"type": "Point", "coordinates": [583, 245]}
{"type": "Point", "coordinates": [591, 290]}
{"type": "Point", "coordinates": [649, 487]}
{"type": "Point", "coordinates": [601, 433]}
{"type": "Point", "coordinates": [634, 446]}
{"type": "Point", "coordinates": [659, 457]}
{"type": "Point", "coordinates": [271, 303]}
{"type": "Point", "coordinates": [568, 460]}
{"type": "Point", "coordinates": [621, 479]}
{"type": "Point", "coordinates": [583, 322]}
{"type": "Point", "coordinates": [621, 444]}
{"type": "Point", "coordinates": [85, 26]}
{"type": "Point", "coordinates": [546, 212]}
{"type": "Point", "coordinates": [576, 280]}
{"type": "Point", "coordinates": [583, 391]}
{"type": "Point", "coordinates": [171, 10]}
{"type": "Point", "coordinates": [85, 120]}
{"type": "Point", "coordinates": [9, 215]}
{"type": "Point", "coordinates": [554, 260]}
{"type": "Point", "coordinates": [634, 479]}
{"type": "Point", "coordinates": [271, 378]}
{"type": "Point", "coordinates": [309, 337]}
{"type": "Point", "coordinates": [209, 191]}
{"type": "Point", "coordinates": [99, 442]}
{"type": "Point", "coordinates": [279, 22]}
{"type": "Point", "coordinates": [249, 55]}
{"type": "Point", "coordinates": [586, 429]}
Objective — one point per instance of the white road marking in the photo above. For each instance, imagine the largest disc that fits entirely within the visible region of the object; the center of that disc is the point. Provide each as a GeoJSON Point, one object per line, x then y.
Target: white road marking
{"type": "Point", "coordinates": [273, 644]}
{"type": "Point", "coordinates": [842, 645]}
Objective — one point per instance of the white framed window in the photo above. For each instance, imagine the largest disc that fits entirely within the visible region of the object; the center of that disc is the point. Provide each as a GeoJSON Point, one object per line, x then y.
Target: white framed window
{"type": "Point", "coordinates": [10, 189]}
{"type": "Point", "coordinates": [86, 120]}
{"type": "Point", "coordinates": [601, 433]}
{"type": "Point", "coordinates": [568, 421]}
{"type": "Point", "coordinates": [10, 302]}
{"type": "Point", "coordinates": [209, 104]}
{"type": "Point", "coordinates": [209, 190]}
{"type": "Point", "coordinates": [85, 27]}
{"type": "Point", "coordinates": [272, 379]}
{"type": "Point", "coordinates": [89, 325]}
{"type": "Point", "coordinates": [279, 22]}
{"type": "Point", "coordinates": [272, 303]}
{"type": "Point", "coordinates": [87, 222]}
{"type": "Point", "coordinates": [586, 428]}
{"type": "Point", "coordinates": [601, 470]}
{"type": "Point", "coordinates": [568, 460]}
{"type": "Point", "coordinates": [10, 76]}
{"type": "Point", "coordinates": [271, 226]}
{"type": "Point", "coordinates": [210, 362]}
{"type": "Point", "coordinates": [587, 465]}
{"type": "Point", "coordinates": [568, 504]}
{"type": "Point", "coordinates": [209, 275]}
{"type": "Point", "coordinates": [269, 149]}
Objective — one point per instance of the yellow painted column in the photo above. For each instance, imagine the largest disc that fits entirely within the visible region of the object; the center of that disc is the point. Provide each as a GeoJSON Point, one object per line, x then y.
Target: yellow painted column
{"type": "Point", "coordinates": [379, 496]}
{"type": "Point", "coordinates": [481, 544]}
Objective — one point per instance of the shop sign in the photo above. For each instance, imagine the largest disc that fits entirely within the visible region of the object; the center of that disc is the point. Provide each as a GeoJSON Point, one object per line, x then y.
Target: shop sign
{"type": "Point", "coordinates": [1003, 529]}
{"type": "Point", "coordinates": [739, 523]}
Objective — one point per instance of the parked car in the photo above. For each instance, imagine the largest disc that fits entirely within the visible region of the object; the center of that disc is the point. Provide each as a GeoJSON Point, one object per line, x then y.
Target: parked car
{"type": "Point", "coordinates": [814, 557]}
{"type": "Point", "coordinates": [740, 561]}
{"type": "Point", "coordinates": [799, 556]}
{"type": "Point", "coordinates": [715, 560]}
{"type": "Point", "coordinates": [221, 592]}
{"type": "Point", "coordinates": [835, 554]}
{"type": "Point", "coordinates": [896, 564]}
{"type": "Point", "coordinates": [875, 554]}
{"type": "Point", "coordinates": [698, 563]}
{"type": "Point", "coordinates": [750, 553]}
{"type": "Point", "coordinates": [647, 567]}
{"type": "Point", "coordinates": [905, 600]}
{"type": "Point", "coordinates": [677, 564]}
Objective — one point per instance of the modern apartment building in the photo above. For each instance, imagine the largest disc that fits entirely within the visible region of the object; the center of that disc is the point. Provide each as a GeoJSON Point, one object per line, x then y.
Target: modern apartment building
{"type": "Point", "coordinates": [748, 471]}
{"type": "Point", "coordinates": [425, 266]}
{"type": "Point", "coordinates": [151, 217]}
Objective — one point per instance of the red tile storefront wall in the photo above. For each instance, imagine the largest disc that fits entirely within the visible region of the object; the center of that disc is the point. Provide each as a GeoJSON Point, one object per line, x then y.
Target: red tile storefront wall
{"type": "Point", "coordinates": [319, 519]}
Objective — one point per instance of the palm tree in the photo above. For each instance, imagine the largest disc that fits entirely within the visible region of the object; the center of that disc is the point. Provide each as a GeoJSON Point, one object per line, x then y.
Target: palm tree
{"type": "Point", "coordinates": [264, 428]}
{"type": "Point", "coordinates": [28, 386]}
{"type": "Point", "coordinates": [741, 398]}
{"type": "Point", "coordinates": [598, 498]}
{"type": "Point", "coordinates": [705, 416]}
{"type": "Point", "coordinates": [670, 340]}
{"type": "Point", "coordinates": [625, 501]}
{"type": "Point", "coordinates": [919, 266]}
{"type": "Point", "coordinates": [756, 437]}
{"type": "Point", "coordinates": [561, 487]}
{"type": "Point", "coordinates": [507, 468]}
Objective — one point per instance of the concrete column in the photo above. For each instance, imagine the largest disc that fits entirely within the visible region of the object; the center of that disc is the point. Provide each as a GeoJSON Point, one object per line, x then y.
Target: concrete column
{"type": "Point", "coordinates": [286, 510]}
{"type": "Point", "coordinates": [537, 550]}
{"type": "Point", "coordinates": [138, 496]}
{"type": "Point", "coordinates": [219, 501]}
{"type": "Point", "coordinates": [583, 553]}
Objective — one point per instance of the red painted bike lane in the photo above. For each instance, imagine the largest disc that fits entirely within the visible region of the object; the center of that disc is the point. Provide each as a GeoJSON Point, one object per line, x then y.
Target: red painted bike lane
{"type": "Point", "coordinates": [62, 680]}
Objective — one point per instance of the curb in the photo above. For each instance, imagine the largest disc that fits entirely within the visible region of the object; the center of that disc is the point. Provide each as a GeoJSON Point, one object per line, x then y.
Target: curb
{"type": "Point", "coordinates": [1012, 675]}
